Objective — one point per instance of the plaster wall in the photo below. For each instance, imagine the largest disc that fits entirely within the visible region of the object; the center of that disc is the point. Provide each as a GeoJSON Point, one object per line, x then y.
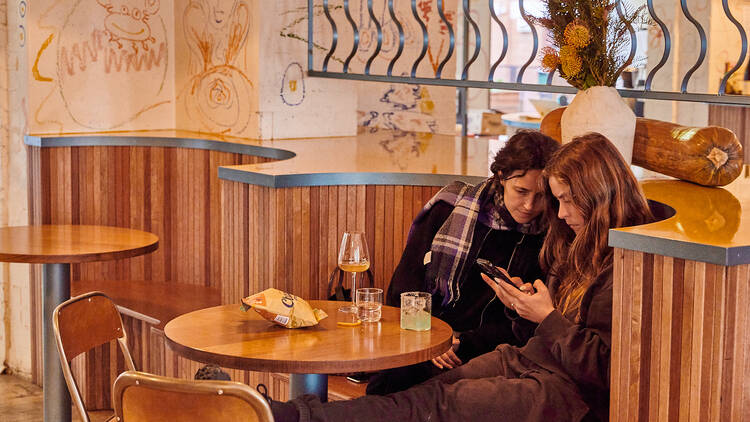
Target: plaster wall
{"type": "Point", "coordinates": [15, 340]}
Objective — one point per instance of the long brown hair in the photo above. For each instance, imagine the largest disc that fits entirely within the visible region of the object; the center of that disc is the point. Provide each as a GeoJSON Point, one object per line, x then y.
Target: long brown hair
{"type": "Point", "coordinates": [605, 191]}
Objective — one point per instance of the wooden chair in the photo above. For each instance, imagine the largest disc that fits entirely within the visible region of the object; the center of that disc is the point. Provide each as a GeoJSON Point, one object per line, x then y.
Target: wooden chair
{"type": "Point", "coordinates": [82, 323]}
{"type": "Point", "coordinates": [139, 397]}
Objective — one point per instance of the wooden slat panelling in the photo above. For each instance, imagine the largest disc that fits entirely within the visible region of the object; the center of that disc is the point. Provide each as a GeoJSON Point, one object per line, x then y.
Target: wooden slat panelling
{"type": "Point", "coordinates": [680, 340]}
{"type": "Point", "coordinates": [171, 192]}
{"type": "Point", "coordinates": [284, 220]}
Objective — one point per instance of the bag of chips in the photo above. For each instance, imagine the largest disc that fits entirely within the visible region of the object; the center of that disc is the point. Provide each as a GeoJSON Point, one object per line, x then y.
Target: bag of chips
{"type": "Point", "coordinates": [283, 308]}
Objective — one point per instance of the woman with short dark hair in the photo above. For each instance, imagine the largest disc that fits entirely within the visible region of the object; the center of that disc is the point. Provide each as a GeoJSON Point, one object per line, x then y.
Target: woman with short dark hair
{"type": "Point", "coordinates": [499, 220]}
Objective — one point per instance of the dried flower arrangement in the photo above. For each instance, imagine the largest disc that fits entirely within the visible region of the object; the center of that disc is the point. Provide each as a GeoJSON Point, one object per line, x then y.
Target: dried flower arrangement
{"type": "Point", "coordinates": [588, 40]}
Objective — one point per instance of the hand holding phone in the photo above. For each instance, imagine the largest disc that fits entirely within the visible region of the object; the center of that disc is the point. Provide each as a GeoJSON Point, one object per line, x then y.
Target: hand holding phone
{"type": "Point", "coordinates": [492, 271]}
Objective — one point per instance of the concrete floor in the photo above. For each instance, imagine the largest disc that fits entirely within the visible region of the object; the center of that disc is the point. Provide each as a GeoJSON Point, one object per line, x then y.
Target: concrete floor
{"type": "Point", "coordinates": [21, 401]}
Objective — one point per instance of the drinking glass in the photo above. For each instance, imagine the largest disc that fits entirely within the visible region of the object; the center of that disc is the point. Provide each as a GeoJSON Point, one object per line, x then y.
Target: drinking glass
{"type": "Point", "coordinates": [354, 258]}
{"type": "Point", "coordinates": [369, 304]}
{"type": "Point", "coordinates": [416, 311]}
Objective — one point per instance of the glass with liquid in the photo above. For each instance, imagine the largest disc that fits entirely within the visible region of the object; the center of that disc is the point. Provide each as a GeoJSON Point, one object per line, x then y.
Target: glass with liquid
{"type": "Point", "coordinates": [416, 311]}
{"type": "Point", "coordinates": [369, 304]}
{"type": "Point", "coordinates": [354, 259]}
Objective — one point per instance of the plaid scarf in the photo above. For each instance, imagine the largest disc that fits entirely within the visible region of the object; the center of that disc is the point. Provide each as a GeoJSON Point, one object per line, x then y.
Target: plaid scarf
{"type": "Point", "coordinates": [450, 247]}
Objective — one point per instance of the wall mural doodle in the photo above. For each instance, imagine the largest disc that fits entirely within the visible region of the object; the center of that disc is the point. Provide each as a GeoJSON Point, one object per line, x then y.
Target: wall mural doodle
{"type": "Point", "coordinates": [129, 24]}
{"type": "Point", "coordinates": [103, 49]}
{"type": "Point", "coordinates": [219, 93]}
{"type": "Point", "coordinates": [293, 85]}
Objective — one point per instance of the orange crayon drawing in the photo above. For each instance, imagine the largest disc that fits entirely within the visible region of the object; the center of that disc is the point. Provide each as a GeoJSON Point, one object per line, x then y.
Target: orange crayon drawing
{"type": "Point", "coordinates": [219, 93]}
{"type": "Point", "coordinates": [35, 68]}
{"type": "Point", "coordinates": [128, 20]}
{"type": "Point", "coordinates": [78, 56]}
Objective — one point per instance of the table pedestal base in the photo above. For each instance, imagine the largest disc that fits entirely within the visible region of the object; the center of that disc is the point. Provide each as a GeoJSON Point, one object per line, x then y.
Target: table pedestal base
{"type": "Point", "coordinates": [300, 384]}
{"type": "Point", "coordinates": [55, 290]}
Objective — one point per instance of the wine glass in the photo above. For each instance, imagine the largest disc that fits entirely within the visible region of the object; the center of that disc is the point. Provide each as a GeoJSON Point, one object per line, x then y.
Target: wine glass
{"type": "Point", "coordinates": [353, 258]}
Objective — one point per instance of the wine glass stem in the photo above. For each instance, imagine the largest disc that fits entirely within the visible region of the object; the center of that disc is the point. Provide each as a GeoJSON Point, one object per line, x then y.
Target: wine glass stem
{"type": "Point", "coordinates": [354, 289]}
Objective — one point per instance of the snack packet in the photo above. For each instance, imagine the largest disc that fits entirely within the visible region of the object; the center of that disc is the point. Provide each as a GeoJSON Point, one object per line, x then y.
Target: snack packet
{"type": "Point", "coordinates": [283, 308]}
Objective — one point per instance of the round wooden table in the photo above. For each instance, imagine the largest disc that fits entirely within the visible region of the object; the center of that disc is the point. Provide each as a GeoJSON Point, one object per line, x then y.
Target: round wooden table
{"type": "Point", "coordinates": [229, 337]}
{"type": "Point", "coordinates": [57, 247]}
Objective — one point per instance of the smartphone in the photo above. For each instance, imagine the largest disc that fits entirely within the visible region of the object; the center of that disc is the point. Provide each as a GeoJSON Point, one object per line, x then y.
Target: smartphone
{"type": "Point", "coordinates": [492, 271]}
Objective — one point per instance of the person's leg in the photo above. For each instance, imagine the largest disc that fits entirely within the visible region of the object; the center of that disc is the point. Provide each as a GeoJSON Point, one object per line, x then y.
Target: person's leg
{"type": "Point", "coordinates": [399, 379]}
{"type": "Point", "coordinates": [537, 396]}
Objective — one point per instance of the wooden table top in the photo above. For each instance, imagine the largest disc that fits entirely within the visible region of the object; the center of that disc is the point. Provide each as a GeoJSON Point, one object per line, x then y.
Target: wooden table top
{"type": "Point", "coordinates": [60, 244]}
{"type": "Point", "coordinates": [227, 336]}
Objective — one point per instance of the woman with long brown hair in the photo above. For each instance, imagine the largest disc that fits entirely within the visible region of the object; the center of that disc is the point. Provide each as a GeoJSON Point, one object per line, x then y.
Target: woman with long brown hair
{"type": "Point", "coordinates": [562, 373]}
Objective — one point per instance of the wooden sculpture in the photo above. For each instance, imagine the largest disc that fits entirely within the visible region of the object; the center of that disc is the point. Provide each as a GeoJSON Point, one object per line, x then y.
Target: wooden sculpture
{"type": "Point", "coordinates": [709, 156]}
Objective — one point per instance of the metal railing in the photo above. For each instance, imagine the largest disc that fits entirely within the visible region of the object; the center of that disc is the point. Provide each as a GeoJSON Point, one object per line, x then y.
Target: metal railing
{"type": "Point", "coordinates": [646, 92]}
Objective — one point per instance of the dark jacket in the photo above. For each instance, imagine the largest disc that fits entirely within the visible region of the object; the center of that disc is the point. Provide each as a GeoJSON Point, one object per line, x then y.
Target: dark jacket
{"type": "Point", "coordinates": [562, 374]}
{"type": "Point", "coordinates": [477, 301]}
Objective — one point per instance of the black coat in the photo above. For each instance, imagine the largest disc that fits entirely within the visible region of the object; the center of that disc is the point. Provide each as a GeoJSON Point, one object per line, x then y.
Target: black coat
{"type": "Point", "coordinates": [477, 302]}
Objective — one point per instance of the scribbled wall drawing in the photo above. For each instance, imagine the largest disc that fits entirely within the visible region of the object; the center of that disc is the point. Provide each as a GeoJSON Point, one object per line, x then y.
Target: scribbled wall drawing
{"type": "Point", "coordinates": [21, 28]}
{"type": "Point", "coordinates": [293, 88]}
{"type": "Point", "coordinates": [296, 27]}
{"type": "Point", "coordinates": [129, 22]}
{"type": "Point", "coordinates": [97, 68]}
{"type": "Point", "coordinates": [219, 93]}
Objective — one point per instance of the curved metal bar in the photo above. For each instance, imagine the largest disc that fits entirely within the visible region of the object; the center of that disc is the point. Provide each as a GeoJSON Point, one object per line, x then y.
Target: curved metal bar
{"type": "Point", "coordinates": [356, 36]}
{"type": "Point", "coordinates": [702, 55]}
{"type": "Point", "coordinates": [667, 44]}
{"type": "Point", "coordinates": [425, 39]}
{"type": "Point", "coordinates": [550, 75]}
{"type": "Point", "coordinates": [335, 40]}
{"type": "Point", "coordinates": [723, 84]}
{"type": "Point", "coordinates": [400, 37]}
{"type": "Point", "coordinates": [452, 39]}
{"type": "Point", "coordinates": [380, 37]}
{"type": "Point", "coordinates": [505, 41]}
{"type": "Point", "coordinates": [633, 41]}
{"type": "Point", "coordinates": [477, 40]}
{"type": "Point", "coordinates": [534, 36]}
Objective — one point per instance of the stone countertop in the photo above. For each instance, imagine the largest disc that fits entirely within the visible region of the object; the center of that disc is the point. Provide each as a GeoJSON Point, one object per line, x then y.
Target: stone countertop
{"type": "Point", "coordinates": [710, 224]}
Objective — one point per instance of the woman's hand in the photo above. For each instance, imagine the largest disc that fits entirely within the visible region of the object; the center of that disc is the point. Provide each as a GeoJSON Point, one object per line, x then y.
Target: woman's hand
{"type": "Point", "coordinates": [529, 305]}
{"type": "Point", "coordinates": [449, 359]}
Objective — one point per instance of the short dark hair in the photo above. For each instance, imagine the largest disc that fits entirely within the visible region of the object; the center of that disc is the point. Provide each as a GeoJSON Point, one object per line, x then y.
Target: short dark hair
{"type": "Point", "coordinates": [526, 150]}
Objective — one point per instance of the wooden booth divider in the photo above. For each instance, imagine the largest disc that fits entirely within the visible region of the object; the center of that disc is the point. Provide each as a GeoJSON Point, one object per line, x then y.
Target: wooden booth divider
{"type": "Point", "coordinates": [223, 239]}
{"type": "Point", "coordinates": [679, 339]}
{"type": "Point", "coordinates": [171, 192]}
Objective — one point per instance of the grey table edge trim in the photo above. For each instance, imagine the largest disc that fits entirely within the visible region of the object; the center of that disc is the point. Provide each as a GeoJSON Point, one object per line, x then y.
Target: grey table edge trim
{"type": "Point", "coordinates": [337, 179]}
{"type": "Point", "coordinates": [154, 141]}
{"type": "Point", "coordinates": [711, 254]}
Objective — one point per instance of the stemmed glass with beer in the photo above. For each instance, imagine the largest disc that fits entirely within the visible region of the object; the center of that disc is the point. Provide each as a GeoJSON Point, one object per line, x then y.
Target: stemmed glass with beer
{"type": "Point", "coordinates": [353, 258]}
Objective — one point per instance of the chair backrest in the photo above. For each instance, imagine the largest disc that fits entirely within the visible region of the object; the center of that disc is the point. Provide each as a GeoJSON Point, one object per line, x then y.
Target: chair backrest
{"type": "Point", "coordinates": [142, 397]}
{"type": "Point", "coordinates": [82, 323]}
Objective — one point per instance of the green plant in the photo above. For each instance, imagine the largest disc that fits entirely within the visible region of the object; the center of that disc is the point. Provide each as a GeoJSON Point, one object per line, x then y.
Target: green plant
{"type": "Point", "coordinates": [588, 40]}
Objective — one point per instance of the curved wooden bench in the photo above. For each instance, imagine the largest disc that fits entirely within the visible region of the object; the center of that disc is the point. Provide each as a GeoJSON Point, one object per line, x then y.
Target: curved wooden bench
{"type": "Point", "coordinates": [151, 301]}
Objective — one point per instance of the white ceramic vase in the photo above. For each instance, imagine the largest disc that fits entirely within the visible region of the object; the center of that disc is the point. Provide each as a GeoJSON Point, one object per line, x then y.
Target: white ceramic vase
{"type": "Point", "coordinates": [600, 109]}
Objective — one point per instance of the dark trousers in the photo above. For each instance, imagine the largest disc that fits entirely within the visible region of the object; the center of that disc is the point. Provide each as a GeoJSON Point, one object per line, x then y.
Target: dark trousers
{"type": "Point", "coordinates": [400, 379]}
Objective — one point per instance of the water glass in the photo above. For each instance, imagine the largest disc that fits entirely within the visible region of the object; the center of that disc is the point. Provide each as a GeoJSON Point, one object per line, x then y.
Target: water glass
{"type": "Point", "coordinates": [416, 311]}
{"type": "Point", "coordinates": [369, 304]}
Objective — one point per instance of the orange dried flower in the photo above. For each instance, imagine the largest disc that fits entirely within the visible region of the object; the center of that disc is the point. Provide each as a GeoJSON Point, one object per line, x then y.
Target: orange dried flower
{"type": "Point", "coordinates": [550, 59]}
{"type": "Point", "coordinates": [570, 61]}
{"type": "Point", "coordinates": [577, 35]}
